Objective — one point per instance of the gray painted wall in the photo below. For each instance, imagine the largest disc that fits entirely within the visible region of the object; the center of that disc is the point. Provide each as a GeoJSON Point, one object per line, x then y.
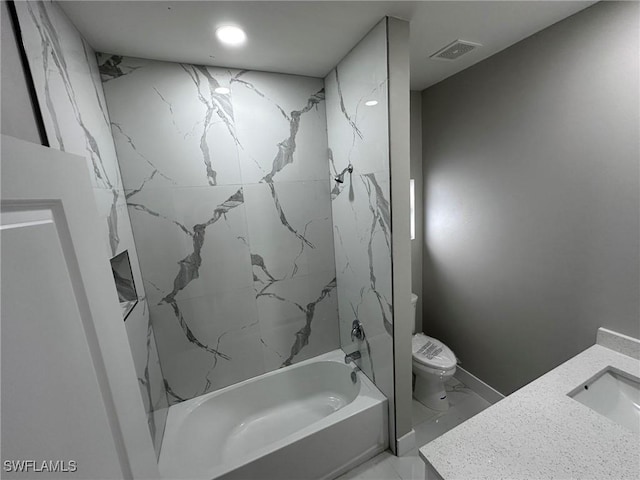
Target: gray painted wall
{"type": "Point", "coordinates": [18, 116]}
{"type": "Point", "coordinates": [416, 174]}
{"type": "Point", "coordinates": [532, 195]}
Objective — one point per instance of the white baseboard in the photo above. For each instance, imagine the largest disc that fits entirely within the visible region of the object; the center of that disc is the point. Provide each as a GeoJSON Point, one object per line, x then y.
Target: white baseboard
{"type": "Point", "coordinates": [486, 391]}
{"type": "Point", "coordinates": [406, 443]}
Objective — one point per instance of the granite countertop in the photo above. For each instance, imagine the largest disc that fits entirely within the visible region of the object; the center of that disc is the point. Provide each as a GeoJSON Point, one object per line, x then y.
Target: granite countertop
{"type": "Point", "coordinates": [539, 432]}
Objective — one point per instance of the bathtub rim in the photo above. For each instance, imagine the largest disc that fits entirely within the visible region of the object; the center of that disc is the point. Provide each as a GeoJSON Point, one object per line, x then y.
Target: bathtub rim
{"type": "Point", "coordinates": [368, 397]}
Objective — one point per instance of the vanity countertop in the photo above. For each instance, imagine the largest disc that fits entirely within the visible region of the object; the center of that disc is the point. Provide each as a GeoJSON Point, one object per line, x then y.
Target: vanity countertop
{"type": "Point", "coordinates": [539, 432]}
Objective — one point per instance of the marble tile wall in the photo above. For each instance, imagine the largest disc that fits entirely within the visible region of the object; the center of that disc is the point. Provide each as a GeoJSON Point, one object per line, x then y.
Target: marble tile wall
{"type": "Point", "coordinates": [358, 135]}
{"type": "Point", "coordinates": [227, 184]}
{"type": "Point", "coordinates": [71, 98]}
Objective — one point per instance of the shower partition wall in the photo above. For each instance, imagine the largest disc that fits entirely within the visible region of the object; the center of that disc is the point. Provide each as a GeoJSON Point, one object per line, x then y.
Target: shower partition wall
{"type": "Point", "coordinates": [358, 135]}
{"type": "Point", "coordinates": [226, 179]}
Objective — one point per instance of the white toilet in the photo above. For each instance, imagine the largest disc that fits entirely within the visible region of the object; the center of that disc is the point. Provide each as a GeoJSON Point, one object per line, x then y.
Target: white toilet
{"type": "Point", "coordinates": [433, 364]}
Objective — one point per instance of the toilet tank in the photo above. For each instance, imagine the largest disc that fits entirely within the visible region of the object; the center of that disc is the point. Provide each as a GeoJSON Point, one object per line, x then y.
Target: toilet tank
{"type": "Point", "coordinates": [414, 299]}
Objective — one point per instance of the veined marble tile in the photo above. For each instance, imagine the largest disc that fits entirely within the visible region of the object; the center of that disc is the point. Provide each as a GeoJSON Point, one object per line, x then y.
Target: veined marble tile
{"type": "Point", "coordinates": [160, 420]}
{"type": "Point", "coordinates": [137, 326]}
{"type": "Point", "coordinates": [156, 390]}
{"type": "Point", "coordinates": [72, 103]}
{"type": "Point", "coordinates": [298, 318]}
{"type": "Point", "coordinates": [363, 304]}
{"type": "Point", "coordinates": [289, 228]}
{"type": "Point", "coordinates": [207, 343]}
{"type": "Point", "coordinates": [107, 202]}
{"type": "Point", "coordinates": [116, 226]}
{"type": "Point", "coordinates": [377, 348]}
{"type": "Point", "coordinates": [192, 241]}
{"type": "Point", "coordinates": [362, 234]}
{"type": "Point", "coordinates": [358, 135]}
{"type": "Point", "coordinates": [270, 196]}
{"type": "Point", "coordinates": [281, 126]}
{"type": "Point", "coordinates": [147, 365]}
{"type": "Point", "coordinates": [192, 139]}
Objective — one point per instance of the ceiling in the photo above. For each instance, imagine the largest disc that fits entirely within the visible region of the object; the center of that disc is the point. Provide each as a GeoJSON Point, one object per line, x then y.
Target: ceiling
{"type": "Point", "coordinates": [308, 37]}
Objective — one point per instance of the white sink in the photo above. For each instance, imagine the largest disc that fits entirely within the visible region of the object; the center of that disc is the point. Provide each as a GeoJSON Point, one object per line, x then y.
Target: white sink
{"type": "Point", "coordinates": [613, 394]}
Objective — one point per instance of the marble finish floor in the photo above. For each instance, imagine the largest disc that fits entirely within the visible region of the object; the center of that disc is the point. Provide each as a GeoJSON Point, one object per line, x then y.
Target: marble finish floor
{"type": "Point", "coordinates": [428, 424]}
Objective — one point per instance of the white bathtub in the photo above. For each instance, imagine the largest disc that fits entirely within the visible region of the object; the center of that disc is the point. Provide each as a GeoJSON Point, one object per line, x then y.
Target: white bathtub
{"type": "Point", "coordinates": [308, 420]}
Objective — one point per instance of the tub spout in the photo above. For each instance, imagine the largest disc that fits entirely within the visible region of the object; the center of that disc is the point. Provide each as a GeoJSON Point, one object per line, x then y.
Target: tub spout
{"type": "Point", "coordinates": [352, 357]}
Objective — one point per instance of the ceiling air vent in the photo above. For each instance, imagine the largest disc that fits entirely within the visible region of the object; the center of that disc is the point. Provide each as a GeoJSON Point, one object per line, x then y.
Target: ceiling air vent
{"type": "Point", "coordinates": [455, 50]}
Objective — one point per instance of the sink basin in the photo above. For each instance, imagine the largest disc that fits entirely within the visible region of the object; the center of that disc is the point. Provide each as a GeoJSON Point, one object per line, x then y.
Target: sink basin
{"type": "Point", "coordinates": [613, 394]}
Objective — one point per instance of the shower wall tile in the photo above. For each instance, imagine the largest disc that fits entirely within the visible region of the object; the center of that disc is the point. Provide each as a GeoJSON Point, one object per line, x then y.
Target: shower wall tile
{"type": "Point", "coordinates": [302, 308]}
{"type": "Point", "coordinates": [194, 126]}
{"type": "Point", "coordinates": [208, 342]}
{"type": "Point", "coordinates": [76, 120]}
{"type": "Point", "coordinates": [358, 135]}
{"type": "Point", "coordinates": [357, 132]}
{"type": "Point", "coordinates": [145, 357]}
{"type": "Point", "coordinates": [293, 147]}
{"type": "Point", "coordinates": [184, 225]}
{"type": "Point", "coordinates": [72, 104]}
{"type": "Point", "coordinates": [299, 244]}
{"type": "Point", "coordinates": [229, 197]}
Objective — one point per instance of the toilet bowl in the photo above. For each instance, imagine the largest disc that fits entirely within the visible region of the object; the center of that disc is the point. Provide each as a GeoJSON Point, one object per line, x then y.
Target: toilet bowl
{"type": "Point", "coordinates": [433, 364]}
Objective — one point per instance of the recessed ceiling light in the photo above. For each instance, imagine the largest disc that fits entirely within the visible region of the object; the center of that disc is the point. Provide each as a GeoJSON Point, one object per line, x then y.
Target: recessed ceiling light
{"type": "Point", "coordinates": [221, 90]}
{"type": "Point", "coordinates": [371, 103]}
{"type": "Point", "coordinates": [231, 35]}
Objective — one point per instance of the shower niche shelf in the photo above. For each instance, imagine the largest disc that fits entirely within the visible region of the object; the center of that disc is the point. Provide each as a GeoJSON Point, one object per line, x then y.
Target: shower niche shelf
{"type": "Point", "coordinates": [125, 286]}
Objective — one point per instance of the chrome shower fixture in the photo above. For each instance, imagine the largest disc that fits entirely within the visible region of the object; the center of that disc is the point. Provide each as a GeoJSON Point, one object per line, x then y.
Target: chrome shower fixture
{"type": "Point", "coordinates": [357, 330]}
{"type": "Point", "coordinates": [340, 178]}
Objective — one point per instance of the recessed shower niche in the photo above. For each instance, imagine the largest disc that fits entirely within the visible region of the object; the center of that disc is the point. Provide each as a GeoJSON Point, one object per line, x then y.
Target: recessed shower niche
{"type": "Point", "coordinates": [126, 287]}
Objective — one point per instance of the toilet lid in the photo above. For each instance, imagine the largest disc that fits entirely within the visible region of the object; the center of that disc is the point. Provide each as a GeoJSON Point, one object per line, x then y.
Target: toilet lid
{"type": "Point", "coordinates": [431, 352]}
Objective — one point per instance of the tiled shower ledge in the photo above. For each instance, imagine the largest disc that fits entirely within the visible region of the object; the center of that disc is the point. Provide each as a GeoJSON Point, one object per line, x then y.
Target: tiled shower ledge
{"type": "Point", "coordinates": [539, 432]}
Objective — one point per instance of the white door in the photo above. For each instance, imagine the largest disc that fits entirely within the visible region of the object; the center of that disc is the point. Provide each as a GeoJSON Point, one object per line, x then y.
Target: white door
{"type": "Point", "coordinates": [70, 404]}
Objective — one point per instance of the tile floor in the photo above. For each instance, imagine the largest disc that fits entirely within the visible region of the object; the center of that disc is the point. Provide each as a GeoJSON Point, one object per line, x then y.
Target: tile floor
{"type": "Point", "coordinates": [428, 424]}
